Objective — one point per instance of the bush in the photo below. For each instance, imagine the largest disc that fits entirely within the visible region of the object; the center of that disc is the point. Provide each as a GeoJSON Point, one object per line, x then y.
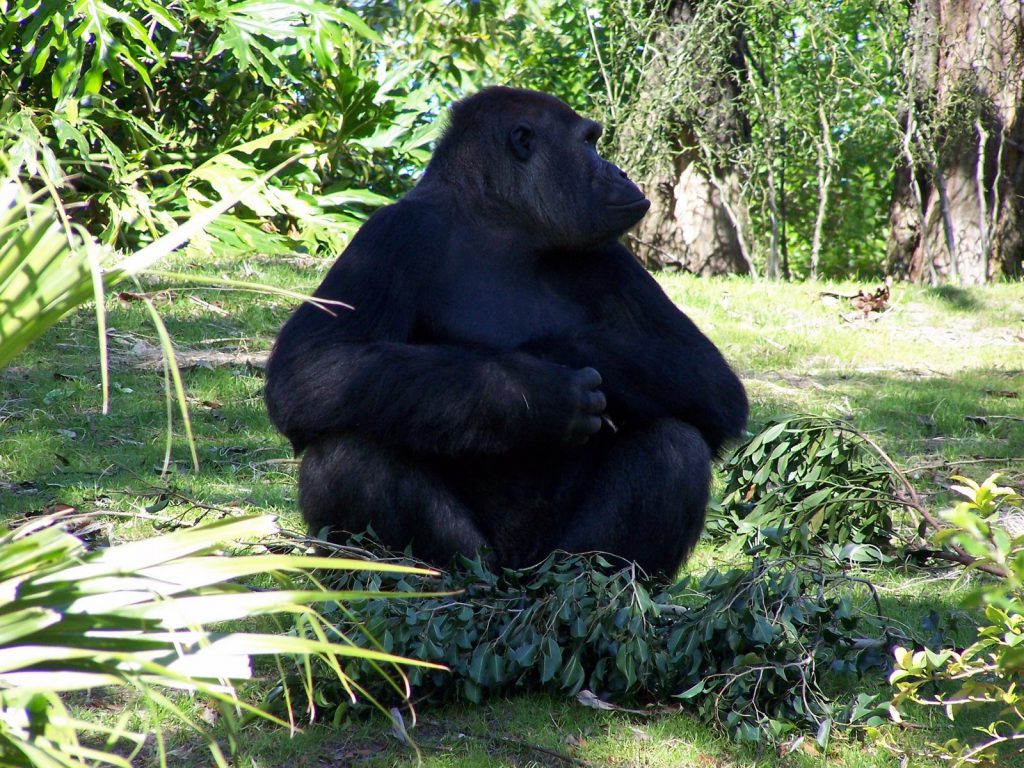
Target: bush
{"type": "Point", "coordinates": [139, 616]}
{"type": "Point", "coordinates": [987, 673]}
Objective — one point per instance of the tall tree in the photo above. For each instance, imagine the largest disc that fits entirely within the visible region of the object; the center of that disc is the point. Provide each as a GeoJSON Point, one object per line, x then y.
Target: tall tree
{"type": "Point", "coordinates": [683, 123]}
{"type": "Point", "coordinates": [752, 123]}
{"type": "Point", "coordinates": [958, 202]}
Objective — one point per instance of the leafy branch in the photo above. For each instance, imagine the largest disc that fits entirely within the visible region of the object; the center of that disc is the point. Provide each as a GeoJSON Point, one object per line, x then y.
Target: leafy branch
{"type": "Point", "coordinates": [746, 647]}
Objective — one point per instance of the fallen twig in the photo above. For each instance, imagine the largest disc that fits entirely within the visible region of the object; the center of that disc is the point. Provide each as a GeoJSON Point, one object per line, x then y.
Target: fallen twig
{"type": "Point", "coordinates": [911, 500]}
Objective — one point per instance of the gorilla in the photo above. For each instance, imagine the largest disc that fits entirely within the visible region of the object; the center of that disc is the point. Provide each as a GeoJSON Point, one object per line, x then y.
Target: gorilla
{"type": "Point", "coordinates": [505, 378]}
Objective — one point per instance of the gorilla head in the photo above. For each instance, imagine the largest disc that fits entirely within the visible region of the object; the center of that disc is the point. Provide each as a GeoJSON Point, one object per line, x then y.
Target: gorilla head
{"type": "Point", "coordinates": [535, 163]}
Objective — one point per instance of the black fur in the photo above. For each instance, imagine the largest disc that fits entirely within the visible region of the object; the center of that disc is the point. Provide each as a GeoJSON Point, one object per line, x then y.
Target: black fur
{"type": "Point", "coordinates": [509, 378]}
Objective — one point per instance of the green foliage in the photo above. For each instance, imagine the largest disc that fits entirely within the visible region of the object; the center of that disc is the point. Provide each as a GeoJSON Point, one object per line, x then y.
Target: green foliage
{"type": "Point", "coordinates": [141, 113]}
{"type": "Point", "coordinates": [138, 114]}
{"type": "Point", "coordinates": [588, 55]}
{"type": "Point", "coordinates": [747, 648]}
{"type": "Point", "coordinates": [807, 483]}
{"type": "Point", "coordinates": [822, 101]}
{"type": "Point", "coordinates": [49, 266]}
{"type": "Point", "coordinates": [987, 673]}
{"type": "Point", "coordinates": [42, 273]}
{"type": "Point", "coordinates": [140, 616]}
{"type": "Point", "coordinates": [798, 99]}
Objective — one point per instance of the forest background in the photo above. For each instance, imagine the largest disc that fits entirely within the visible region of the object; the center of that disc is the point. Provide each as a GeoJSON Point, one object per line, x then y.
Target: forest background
{"type": "Point", "coordinates": [787, 140]}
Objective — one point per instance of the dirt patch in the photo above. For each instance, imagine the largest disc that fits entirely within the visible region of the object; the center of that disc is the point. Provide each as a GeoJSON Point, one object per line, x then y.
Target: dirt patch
{"type": "Point", "coordinates": [349, 752]}
{"type": "Point", "coordinates": [142, 355]}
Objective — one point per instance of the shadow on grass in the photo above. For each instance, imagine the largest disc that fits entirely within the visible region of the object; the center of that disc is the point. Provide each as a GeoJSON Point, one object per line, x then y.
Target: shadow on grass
{"type": "Point", "coordinates": [972, 415]}
{"type": "Point", "coordinates": [955, 298]}
{"type": "Point", "coordinates": [912, 414]}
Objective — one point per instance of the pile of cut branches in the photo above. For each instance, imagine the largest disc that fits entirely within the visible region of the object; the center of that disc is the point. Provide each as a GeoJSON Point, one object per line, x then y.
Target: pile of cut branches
{"type": "Point", "coordinates": [748, 648]}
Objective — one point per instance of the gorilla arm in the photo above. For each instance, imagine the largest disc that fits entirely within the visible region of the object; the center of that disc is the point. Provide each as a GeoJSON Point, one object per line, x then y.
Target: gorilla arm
{"type": "Point", "coordinates": [653, 360]}
{"type": "Point", "coordinates": [357, 373]}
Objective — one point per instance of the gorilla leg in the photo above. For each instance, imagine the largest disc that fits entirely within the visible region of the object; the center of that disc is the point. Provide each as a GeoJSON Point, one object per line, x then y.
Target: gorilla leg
{"type": "Point", "coordinates": [347, 484]}
{"type": "Point", "coordinates": [647, 498]}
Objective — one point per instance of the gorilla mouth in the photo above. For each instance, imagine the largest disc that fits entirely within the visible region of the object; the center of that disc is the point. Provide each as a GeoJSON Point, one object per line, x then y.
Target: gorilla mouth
{"type": "Point", "coordinates": [631, 205]}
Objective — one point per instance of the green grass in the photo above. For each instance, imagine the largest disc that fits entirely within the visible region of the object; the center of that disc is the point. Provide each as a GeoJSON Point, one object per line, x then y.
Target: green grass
{"type": "Point", "coordinates": [938, 381]}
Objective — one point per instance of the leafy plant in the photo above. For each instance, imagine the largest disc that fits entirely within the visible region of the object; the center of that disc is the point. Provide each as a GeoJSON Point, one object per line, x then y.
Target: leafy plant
{"type": "Point", "coordinates": [805, 483]}
{"type": "Point", "coordinates": [988, 672]}
{"type": "Point", "coordinates": [139, 113]}
{"type": "Point", "coordinates": [42, 276]}
{"type": "Point", "coordinates": [49, 266]}
{"type": "Point", "coordinates": [140, 616]}
{"type": "Point", "coordinates": [747, 648]}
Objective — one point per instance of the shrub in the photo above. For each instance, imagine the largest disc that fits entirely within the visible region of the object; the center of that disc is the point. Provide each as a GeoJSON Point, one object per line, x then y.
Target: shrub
{"type": "Point", "coordinates": [988, 672]}
{"type": "Point", "coordinates": [140, 615]}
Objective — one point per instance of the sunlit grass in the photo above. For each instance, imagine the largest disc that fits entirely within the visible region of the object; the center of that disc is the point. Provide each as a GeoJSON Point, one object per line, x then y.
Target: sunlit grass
{"type": "Point", "coordinates": [911, 378]}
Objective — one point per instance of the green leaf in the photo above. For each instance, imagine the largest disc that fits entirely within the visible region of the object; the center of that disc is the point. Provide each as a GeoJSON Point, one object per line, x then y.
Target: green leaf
{"type": "Point", "coordinates": [824, 732]}
{"type": "Point", "coordinates": [773, 432]}
{"type": "Point", "coordinates": [763, 632]}
{"type": "Point", "coordinates": [572, 674]}
{"type": "Point", "coordinates": [551, 660]}
{"type": "Point", "coordinates": [17, 624]}
{"type": "Point", "coordinates": [692, 691]}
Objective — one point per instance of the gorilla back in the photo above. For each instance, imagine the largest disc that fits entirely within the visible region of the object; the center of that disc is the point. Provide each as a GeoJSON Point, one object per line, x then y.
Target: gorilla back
{"type": "Point", "coordinates": [508, 380]}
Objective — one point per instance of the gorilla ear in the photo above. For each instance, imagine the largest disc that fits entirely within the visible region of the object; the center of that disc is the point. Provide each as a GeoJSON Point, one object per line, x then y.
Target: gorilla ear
{"type": "Point", "coordinates": [521, 141]}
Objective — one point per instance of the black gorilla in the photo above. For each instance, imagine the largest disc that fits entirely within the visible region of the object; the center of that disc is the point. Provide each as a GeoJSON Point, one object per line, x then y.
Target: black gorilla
{"type": "Point", "coordinates": [508, 378]}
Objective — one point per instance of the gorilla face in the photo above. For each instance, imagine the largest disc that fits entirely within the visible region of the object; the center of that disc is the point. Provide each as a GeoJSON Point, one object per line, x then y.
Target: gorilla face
{"type": "Point", "coordinates": [615, 203]}
{"type": "Point", "coordinates": [577, 198]}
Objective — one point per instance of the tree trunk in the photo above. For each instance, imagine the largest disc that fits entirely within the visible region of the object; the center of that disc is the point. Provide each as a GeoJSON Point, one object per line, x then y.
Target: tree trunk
{"type": "Point", "coordinates": [826, 164]}
{"type": "Point", "coordinates": [698, 220]}
{"type": "Point", "coordinates": [957, 210]}
{"type": "Point", "coordinates": [696, 223]}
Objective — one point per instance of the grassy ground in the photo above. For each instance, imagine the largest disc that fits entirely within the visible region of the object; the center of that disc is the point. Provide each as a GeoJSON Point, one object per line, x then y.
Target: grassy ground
{"type": "Point", "coordinates": [938, 380]}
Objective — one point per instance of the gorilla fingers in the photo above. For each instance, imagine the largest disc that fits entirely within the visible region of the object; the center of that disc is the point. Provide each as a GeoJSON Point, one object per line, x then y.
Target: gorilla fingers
{"type": "Point", "coordinates": [588, 406]}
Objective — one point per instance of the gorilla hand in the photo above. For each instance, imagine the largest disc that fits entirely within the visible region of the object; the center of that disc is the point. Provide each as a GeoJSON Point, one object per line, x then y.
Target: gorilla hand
{"type": "Point", "coordinates": [587, 404]}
